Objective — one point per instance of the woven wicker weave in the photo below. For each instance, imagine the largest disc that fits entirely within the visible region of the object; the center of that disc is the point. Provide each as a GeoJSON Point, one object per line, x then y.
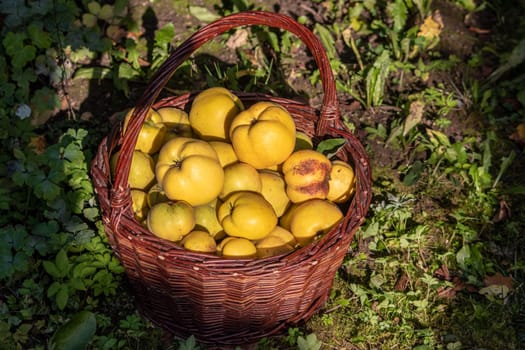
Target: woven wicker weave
{"type": "Point", "coordinates": [226, 301]}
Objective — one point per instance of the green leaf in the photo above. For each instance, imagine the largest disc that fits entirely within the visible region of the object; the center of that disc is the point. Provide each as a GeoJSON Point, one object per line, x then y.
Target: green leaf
{"type": "Point", "coordinates": [399, 12]}
{"type": "Point", "coordinates": [39, 37]}
{"type": "Point", "coordinates": [56, 174]}
{"type": "Point", "coordinates": [53, 289]}
{"type": "Point", "coordinates": [45, 99]}
{"type": "Point", "coordinates": [23, 56]}
{"type": "Point", "coordinates": [376, 281]}
{"type": "Point", "coordinates": [309, 343]}
{"type": "Point", "coordinates": [505, 164]}
{"type": "Point", "coordinates": [43, 7]}
{"type": "Point", "coordinates": [460, 153]}
{"type": "Point", "coordinates": [75, 134]}
{"type": "Point", "coordinates": [6, 263]}
{"type": "Point", "coordinates": [87, 271]}
{"type": "Point", "coordinates": [45, 229]}
{"type": "Point", "coordinates": [94, 7]}
{"type": "Point", "coordinates": [91, 214]}
{"type": "Point", "coordinates": [76, 225]}
{"type": "Point", "coordinates": [51, 269]}
{"type": "Point", "coordinates": [422, 347]}
{"type": "Point", "coordinates": [423, 7]}
{"type": "Point", "coordinates": [73, 153]}
{"type": "Point", "coordinates": [330, 147]}
{"type": "Point", "coordinates": [188, 344]}
{"type": "Point", "coordinates": [62, 263]}
{"type": "Point", "coordinates": [83, 53]}
{"type": "Point", "coordinates": [23, 79]}
{"type": "Point", "coordinates": [413, 175]}
{"type": "Point", "coordinates": [127, 72]}
{"type": "Point", "coordinates": [203, 14]}
{"type": "Point", "coordinates": [376, 79]}
{"type": "Point", "coordinates": [89, 20]}
{"type": "Point", "coordinates": [517, 56]}
{"type": "Point", "coordinates": [420, 304]}
{"type": "Point", "coordinates": [14, 236]}
{"type": "Point", "coordinates": [120, 7]}
{"type": "Point", "coordinates": [102, 276]}
{"type": "Point", "coordinates": [133, 56]}
{"type": "Point", "coordinates": [495, 290]}
{"type": "Point", "coordinates": [5, 199]}
{"type": "Point", "coordinates": [115, 267]}
{"type": "Point", "coordinates": [273, 39]}
{"type": "Point", "coordinates": [93, 73]}
{"type": "Point", "coordinates": [77, 284]}
{"type": "Point", "coordinates": [469, 5]}
{"type": "Point", "coordinates": [462, 256]}
{"type": "Point", "coordinates": [20, 177]}
{"type": "Point", "coordinates": [487, 155]}
{"type": "Point", "coordinates": [47, 190]}
{"type": "Point", "coordinates": [58, 210]}
{"type": "Point", "coordinates": [164, 35]}
{"type": "Point", "coordinates": [518, 189]}
{"type": "Point", "coordinates": [438, 138]}
{"type": "Point", "coordinates": [21, 261]}
{"type": "Point", "coordinates": [77, 333]}
{"type": "Point", "coordinates": [327, 39]}
{"type": "Point", "coordinates": [81, 134]}
{"type": "Point", "coordinates": [481, 178]}
{"type": "Point", "coordinates": [106, 13]}
{"type": "Point", "coordinates": [13, 42]}
{"type": "Point", "coordinates": [62, 296]}
{"type": "Point", "coordinates": [15, 12]}
{"type": "Point", "coordinates": [371, 230]}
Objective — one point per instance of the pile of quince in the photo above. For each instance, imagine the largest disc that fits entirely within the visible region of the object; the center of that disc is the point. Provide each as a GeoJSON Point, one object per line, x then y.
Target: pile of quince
{"type": "Point", "coordinates": [234, 181]}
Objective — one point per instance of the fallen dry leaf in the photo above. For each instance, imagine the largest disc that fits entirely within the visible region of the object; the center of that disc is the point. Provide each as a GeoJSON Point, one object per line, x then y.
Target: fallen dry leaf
{"type": "Point", "coordinates": [443, 273]}
{"type": "Point", "coordinates": [40, 118]}
{"type": "Point", "coordinates": [238, 39]}
{"type": "Point", "coordinates": [143, 62]}
{"type": "Point", "coordinates": [479, 30]}
{"type": "Point", "coordinates": [402, 282]}
{"type": "Point", "coordinates": [457, 284]}
{"type": "Point", "coordinates": [115, 33]}
{"type": "Point", "coordinates": [415, 115]}
{"type": "Point", "coordinates": [431, 27]}
{"type": "Point", "coordinates": [499, 279]}
{"type": "Point", "coordinates": [503, 212]}
{"type": "Point", "coordinates": [134, 35]}
{"type": "Point", "coordinates": [450, 292]}
{"type": "Point", "coordinates": [497, 285]}
{"type": "Point", "coordinates": [38, 144]}
{"type": "Point", "coordinates": [519, 134]}
{"type": "Point", "coordinates": [447, 293]}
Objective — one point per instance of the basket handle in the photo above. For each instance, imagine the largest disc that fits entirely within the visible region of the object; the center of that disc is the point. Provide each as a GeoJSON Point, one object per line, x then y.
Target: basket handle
{"type": "Point", "coordinates": [329, 110]}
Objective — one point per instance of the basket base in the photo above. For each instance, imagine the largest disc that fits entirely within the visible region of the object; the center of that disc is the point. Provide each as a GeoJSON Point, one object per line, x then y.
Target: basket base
{"type": "Point", "coordinates": [159, 308]}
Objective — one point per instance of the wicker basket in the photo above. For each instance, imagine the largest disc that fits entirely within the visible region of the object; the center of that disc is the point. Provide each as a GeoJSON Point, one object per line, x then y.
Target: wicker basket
{"type": "Point", "coordinates": [225, 301]}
